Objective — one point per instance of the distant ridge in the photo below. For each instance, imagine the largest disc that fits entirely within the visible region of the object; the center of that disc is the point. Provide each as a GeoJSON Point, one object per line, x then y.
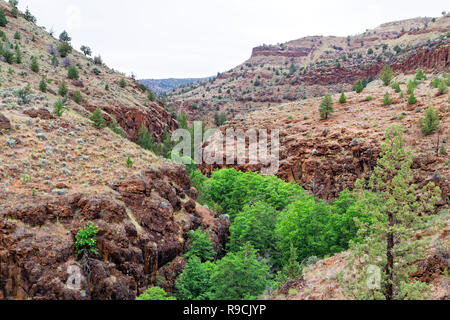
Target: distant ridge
{"type": "Point", "coordinates": [164, 85]}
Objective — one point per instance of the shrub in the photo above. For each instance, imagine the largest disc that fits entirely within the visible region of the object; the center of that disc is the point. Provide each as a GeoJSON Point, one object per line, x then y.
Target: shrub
{"type": "Point", "coordinates": [18, 55]}
{"type": "Point", "coordinates": [326, 107]}
{"type": "Point", "coordinates": [114, 126]}
{"type": "Point", "coordinates": [386, 75]}
{"type": "Point", "coordinates": [122, 83]}
{"type": "Point", "coordinates": [34, 65]}
{"type": "Point", "coordinates": [64, 48]}
{"type": "Point", "coordinates": [62, 90]}
{"type": "Point", "coordinates": [396, 87]}
{"type": "Point", "coordinates": [368, 98]}
{"type": "Point", "coordinates": [435, 82]}
{"type": "Point", "coordinates": [15, 12]}
{"type": "Point", "coordinates": [129, 163]}
{"type": "Point", "coordinates": [8, 55]}
{"type": "Point", "coordinates": [73, 73]}
{"type": "Point", "coordinates": [412, 99]}
{"type": "Point", "coordinates": [154, 294]}
{"type": "Point", "coordinates": [430, 123]}
{"type": "Point", "coordinates": [359, 87]}
{"type": "Point", "coordinates": [442, 87]}
{"type": "Point", "coordinates": [420, 75]}
{"type": "Point", "coordinates": [23, 95]}
{"type": "Point", "coordinates": [43, 85]}
{"type": "Point", "coordinates": [77, 97]}
{"type": "Point", "coordinates": [17, 35]}
{"type": "Point", "coordinates": [387, 101]}
{"type": "Point", "coordinates": [343, 98]}
{"type": "Point", "coordinates": [151, 96]}
{"type": "Point", "coordinates": [58, 108]}
{"type": "Point", "coordinates": [85, 240]}
{"type": "Point", "coordinates": [97, 119]}
{"type": "Point", "coordinates": [412, 85]}
{"type": "Point", "coordinates": [3, 21]}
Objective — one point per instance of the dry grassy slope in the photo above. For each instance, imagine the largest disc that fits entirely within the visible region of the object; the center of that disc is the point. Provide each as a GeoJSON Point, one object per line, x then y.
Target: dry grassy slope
{"type": "Point", "coordinates": [130, 105]}
{"type": "Point", "coordinates": [328, 156]}
{"type": "Point", "coordinates": [58, 173]}
{"type": "Point", "coordinates": [316, 59]}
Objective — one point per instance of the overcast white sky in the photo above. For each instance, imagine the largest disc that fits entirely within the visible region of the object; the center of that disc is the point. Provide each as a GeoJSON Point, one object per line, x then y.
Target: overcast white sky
{"type": "Point", "coordinates": [198, 38]}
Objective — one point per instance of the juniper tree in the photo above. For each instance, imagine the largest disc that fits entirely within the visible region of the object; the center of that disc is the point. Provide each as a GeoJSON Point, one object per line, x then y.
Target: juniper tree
{"type": "Point", "coordinates": [359, 87]}
{"type": "Point", "coordinates": [412, 99]}
{"type": "Point", "coordinates": [326, 107]}
{"type": "Point", "coordinates": [3, 21]}
{"type": "Point", "coordinates": [343, 98]}
{"type": "Point", "coordinates": [62, 90]}
{"type": "Point", "coordinates": [387, 101]}
{"type": "Point", "coordinates": [43, 85]}
{"type": "Point", "coordinates": [97, 119]}
{"type": "Point", "coordinates": [430, 123]}
{"type": "Point", "coordinates": [86, 50]}
{"type": "Point", "coordinates": [396, 216]}
{"type": "Point", "coordinates": [386, 75]}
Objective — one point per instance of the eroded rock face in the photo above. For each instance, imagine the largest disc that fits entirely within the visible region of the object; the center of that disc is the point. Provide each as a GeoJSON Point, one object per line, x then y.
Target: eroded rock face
{"type": "Point", "coordinates": [5, 125]}
{"type": "Point", "coordinates": [141, 229]}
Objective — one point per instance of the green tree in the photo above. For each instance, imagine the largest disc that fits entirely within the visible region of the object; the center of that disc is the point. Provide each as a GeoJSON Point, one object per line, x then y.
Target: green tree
{"type": "Point", "coordinates": [151, 96]}
{"type": "Point", "coordinates": [77, 97]}
{"type": "Point", "coordinates": [72, 73]}
{"type": "Point", "coordinates": [62, 90]}
{"type": "Point", "coordinates": [200, 245]}
{"type": "Point", "coordinates": [3, 21]}
{"type": "Point", "coordinates": [386, 75]}
{"type": "Point", "coordinates": [430, 123]}
{"type": "Point", "coordinates": [420, 75]}
{"type": "Point", "coordinates": [195, 281]}
{"type": "Point", "coordinates": [129, 163]}
{"type": "Point", "coordinates": [182, 121]}
{"type": "Point", "coordinates": [34, 65]}
{"type": "Point", "coordinates": [122, 83]}
{"type": "Point", "coordinates": [28, 16]}
{"type": "Point", "coordinates": [412, 99]}
{"type": "Point", "coordinates": [43, 85]}
{"type": "Point", "coordinates": [58, 108]}
{"type": "Point", "coordinates": [64, 48]}
{"type": "Point", "coordinates": [326, 107]}
{"type": "Point", "coordinates": [396, 87]}
{"type": "Point", "coordinates": [387, 101]}
{"type": "Point", "coordinates": [240, 276]}
{"type": "Point", "coordinates": [412, 84]}
{"type": "Point", "coordinates": [292, 270]}
{"type": "Point", "coordinates": [154, 294]}
{"type": "Point", "coordinates": [17, 35]}
{"type": "Point", "coordinates": [343, 98]}
{"type": "Point", "coordinates": [255, 224]}
{"type": "Point", "coordinates": [359, 87]}
{"type": "Point", "coordinates": [86, 50]}
{"type": "Point", "coordinates": [64, 37]}
{"type": "Point", "coordinates": [145, 139]}
{"type": "Point", "coordinates": [97, 119]}
{"type": "Point", "coordinates": [397, 215]}
{"type": "Point", "coordinates": [442, 87]}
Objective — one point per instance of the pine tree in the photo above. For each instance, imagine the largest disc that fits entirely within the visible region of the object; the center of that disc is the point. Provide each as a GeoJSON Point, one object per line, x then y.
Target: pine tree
{"type": "Point", "coordinates": [58, 108]}
{"type": "Point", "coordinates": [145, 139]}
{"type": "Point", "coordinates": [430, 123]}
{"type": "Point", "coordinates": [420, 75]}
{"type": "Point", "coordinates": [387, 101]}
{"type": "Point", "coordinates": [34, 65]}
{"type": "Point", "coordinates": [97, 119]}
{"type": "Point", "coordinates": [389, 248]}
{"type": "Point", "coordinates": [3, 21]}
{"type": "Point", "coordinates": [43, 85]}
{"type": "Point", "coordinates": [386, 75]}
{"type": "Point", "coordinates": [64, 37]}
{"type": "Point", "coordinates": [343, 98]}
{"type": "Point", "coordinates": [359, 87]}
{"type": "Point", "coordinates": [200, 245]}
{"type": "Point", "coordinates": [412, 99]}
{"type": "Point", "coordinates": [326, 107]}
{"type": "Point", "coordinates": [62, 90]}
{"type": "Point", "coordinates": [77, 97]}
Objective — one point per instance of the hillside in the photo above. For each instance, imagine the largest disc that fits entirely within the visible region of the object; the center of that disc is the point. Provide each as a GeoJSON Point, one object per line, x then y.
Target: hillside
{"type": "Point", "coordinates": [160, 86]}
{"type": "Point", "coordinates": [312, 66]}
{"type": "Point", "coordinates": [59, 172]}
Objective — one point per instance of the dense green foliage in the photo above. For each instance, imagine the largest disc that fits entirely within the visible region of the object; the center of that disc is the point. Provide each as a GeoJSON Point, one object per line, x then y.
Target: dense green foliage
{"type": "Point", "coordinates": [343, 98]}
{"type": "Point", "coordinates": [85, 241]}
{"type": "Point", "coordinates": [386, 75]}
{"type": "Point", "coordinates": [387, 101]}
{"type": "Point", "coordinates": [154, 293]}
{"type": "Point", "coordinates": [200, 245]}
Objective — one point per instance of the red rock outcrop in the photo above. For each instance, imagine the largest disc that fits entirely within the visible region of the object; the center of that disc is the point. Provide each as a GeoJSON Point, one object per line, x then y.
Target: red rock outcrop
{"type": "Point", "coordinates": [141, 231]}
